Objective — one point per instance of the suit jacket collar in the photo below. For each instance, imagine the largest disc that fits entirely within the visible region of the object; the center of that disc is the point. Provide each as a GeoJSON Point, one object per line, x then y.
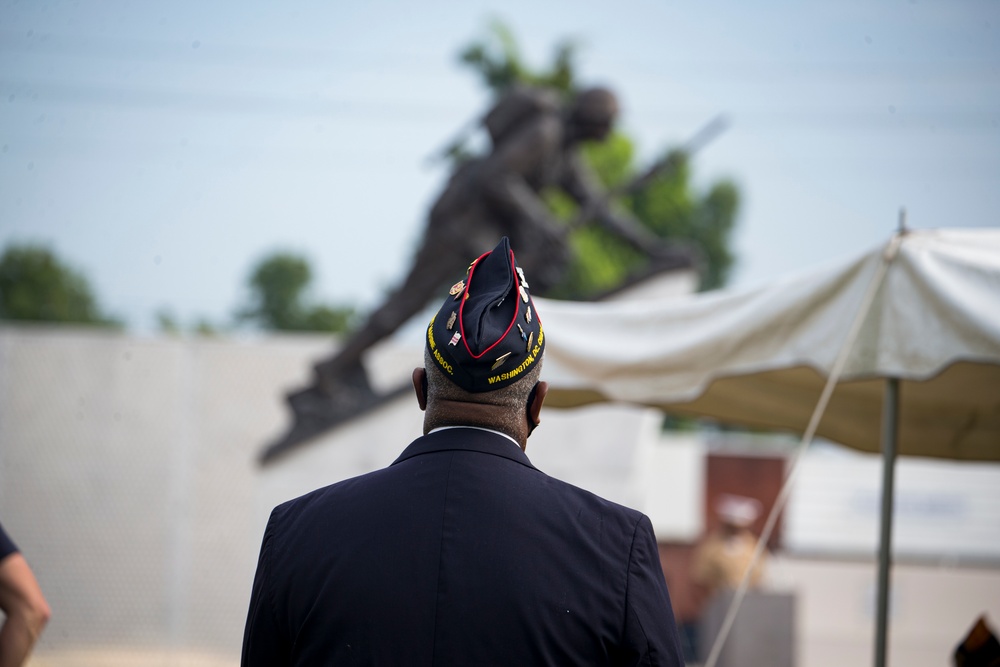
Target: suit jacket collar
{"type": "Point", "coordinates": [465, 439]}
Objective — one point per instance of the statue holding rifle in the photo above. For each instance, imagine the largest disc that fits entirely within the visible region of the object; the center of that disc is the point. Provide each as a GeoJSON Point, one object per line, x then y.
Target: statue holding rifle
{"type": "Point", "coordinates": [535, 140]}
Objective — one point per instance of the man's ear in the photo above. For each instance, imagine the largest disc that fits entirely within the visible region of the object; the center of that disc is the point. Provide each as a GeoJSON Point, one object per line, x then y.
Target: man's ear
{"type": "Point", "coordinates": [420, 387]}
{"type": "Point", "coordinates": [535, 406]}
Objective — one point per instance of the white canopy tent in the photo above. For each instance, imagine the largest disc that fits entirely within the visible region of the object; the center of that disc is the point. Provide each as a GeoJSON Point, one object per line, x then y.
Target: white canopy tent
{"type": "Point", "coordinates": [897, 349]}
{"type": "Point", "coordinates": [760, 357]}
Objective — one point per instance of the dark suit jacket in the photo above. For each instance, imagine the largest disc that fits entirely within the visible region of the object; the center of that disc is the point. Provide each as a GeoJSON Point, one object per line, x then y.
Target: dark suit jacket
{"type": "Point", "coordinates": [459, 553]}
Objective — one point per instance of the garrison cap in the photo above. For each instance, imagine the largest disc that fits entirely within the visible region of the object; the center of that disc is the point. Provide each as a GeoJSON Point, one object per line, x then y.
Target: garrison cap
{"type": "Point", "coordinates": [487, 334]}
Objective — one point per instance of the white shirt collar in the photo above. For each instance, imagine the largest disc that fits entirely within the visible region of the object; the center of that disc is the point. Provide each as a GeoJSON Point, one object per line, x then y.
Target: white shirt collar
{"type": "Point", "coordinates": [478, 428]}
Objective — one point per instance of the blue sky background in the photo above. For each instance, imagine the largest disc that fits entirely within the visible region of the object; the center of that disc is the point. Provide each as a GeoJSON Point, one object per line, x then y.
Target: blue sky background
{"type": "Point", "coordinates": [162, 148]}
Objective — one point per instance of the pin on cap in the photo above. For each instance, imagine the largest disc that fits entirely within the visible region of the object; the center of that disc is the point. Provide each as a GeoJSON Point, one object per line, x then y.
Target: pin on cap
{"type": "Point", "coordinates": [499, 362]}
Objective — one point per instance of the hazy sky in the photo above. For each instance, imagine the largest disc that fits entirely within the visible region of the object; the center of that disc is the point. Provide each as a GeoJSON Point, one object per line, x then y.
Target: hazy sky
{"type": "Point", "coordinates": [162, 148]}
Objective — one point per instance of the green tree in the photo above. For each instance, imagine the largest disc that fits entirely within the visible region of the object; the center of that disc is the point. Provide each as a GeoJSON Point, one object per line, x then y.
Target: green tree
{"type": "Point", "coordinates": [498, 59]}
{"type": "Point", "coordinates": [35, 285]}
{"type": "Point", "coordinates": [667, 204]}
{"type": "Point", "coordinates": [167, 323]}
{"type": "Point", "coordinates": [278, 286]}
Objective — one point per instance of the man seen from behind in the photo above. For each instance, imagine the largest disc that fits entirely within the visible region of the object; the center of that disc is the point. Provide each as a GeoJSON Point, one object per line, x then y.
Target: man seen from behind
{"type": "Point", "coordinates": [461, 552]}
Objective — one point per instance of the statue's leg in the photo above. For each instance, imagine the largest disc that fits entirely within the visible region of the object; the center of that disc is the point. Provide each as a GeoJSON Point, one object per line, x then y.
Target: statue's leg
{"type": "Point", "coordinates": [435, 264]}
{"type": "Point", "coordinates": [340, 388]}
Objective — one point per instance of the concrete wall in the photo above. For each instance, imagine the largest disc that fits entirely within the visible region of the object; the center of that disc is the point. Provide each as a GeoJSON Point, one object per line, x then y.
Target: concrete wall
{"type": "Point", "coordinates": [127, 477]}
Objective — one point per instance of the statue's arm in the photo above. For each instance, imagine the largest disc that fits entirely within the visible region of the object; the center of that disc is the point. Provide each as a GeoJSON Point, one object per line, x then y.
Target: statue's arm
{"type": "Point", "coordinates": [580, 183]}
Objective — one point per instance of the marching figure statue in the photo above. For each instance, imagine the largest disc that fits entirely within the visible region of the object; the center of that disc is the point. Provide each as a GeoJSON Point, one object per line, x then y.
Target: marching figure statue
{"type": "Point", "coordinates": [535, 142]}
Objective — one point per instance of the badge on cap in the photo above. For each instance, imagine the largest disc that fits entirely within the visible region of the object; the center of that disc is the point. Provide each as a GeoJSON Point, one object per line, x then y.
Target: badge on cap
{"type": "Point", "coordinates": [457, 288]}
{"type": "Point", "coordinates": [451, 320]}
{"type": "Point", "coordinates": [454, 339]}
{"type": "Point", "coordinates": [520, 274]}
{"type": "Point", "coordinates": [527, 315]}
{"type": "Point", "coordinates": [524, 293]}
{"type": "Point", "coordinates": [499, 362]}
{"type": "Point", "coordinates": [531, 339]}
{"type": "Point", "coordinates": [524, 336]}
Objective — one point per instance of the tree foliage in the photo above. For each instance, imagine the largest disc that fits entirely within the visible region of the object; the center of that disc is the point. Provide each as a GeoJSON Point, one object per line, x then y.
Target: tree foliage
{"type": "Point", "coordinates": [35, 285]}
{"type": "Point", "coordinates": [168, 323]}
{"type": "Point", "coordinates": [278, 287]}
{"type": "Point", "coordinates": [498, 59]}
{"type": "Point", "coordinates": [668, 204]}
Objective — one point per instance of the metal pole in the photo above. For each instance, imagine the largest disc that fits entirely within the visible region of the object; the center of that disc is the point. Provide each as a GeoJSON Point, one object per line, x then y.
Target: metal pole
{"type": "Point", "coordinates": [890, 422]}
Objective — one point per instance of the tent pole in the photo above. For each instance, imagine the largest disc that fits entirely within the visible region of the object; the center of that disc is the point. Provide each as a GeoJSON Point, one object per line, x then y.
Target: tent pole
{"type": "Point", "coordinates": [890, 423]}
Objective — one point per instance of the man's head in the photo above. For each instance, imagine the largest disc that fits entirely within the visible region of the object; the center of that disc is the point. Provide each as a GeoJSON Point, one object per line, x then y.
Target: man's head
{"type": "Point", "coordinates": [737, 513]}
{"type": "Point", "coordinates": [483, 352]}
{"type": "Point", "coordinates": [592, 114]}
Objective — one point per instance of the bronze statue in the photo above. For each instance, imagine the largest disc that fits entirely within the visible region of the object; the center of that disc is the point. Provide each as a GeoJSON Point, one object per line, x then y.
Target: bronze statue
{"type": "Point", "coordinates": [535, 142]}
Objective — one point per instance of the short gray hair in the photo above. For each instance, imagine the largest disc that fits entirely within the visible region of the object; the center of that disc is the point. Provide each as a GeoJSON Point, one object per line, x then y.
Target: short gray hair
{"type": "Point", "coordinates": [513, 396]}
